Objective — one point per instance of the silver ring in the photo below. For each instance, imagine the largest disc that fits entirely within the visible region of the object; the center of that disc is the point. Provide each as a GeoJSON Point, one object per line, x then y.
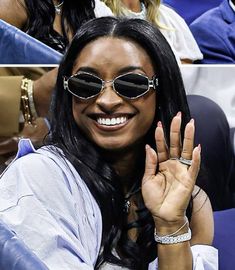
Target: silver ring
{"type": "Point", "coordinates": [185, 161]}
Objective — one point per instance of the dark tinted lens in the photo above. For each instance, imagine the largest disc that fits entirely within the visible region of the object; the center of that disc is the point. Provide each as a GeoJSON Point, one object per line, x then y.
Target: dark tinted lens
{"type": "Point", "coordinates": [131, 85]}
{"type": "Point", "coordinates": [84, 85]}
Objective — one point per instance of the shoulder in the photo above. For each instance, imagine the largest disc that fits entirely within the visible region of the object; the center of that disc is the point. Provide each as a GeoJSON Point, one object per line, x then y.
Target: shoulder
{"type": "Point", "coordinates": [177, 33]}
{"type": "Point", "coordinates": [202, 223]}
{"type": "Point", "coordinates": [47, 179]}
{"type": "Point", "coordinates": [49, 211]}
{"type": "Point", "coordinates": [211, 22]}
{"type": "Point", "coordinates": [33, 169]}
{"type": "Point", "coordinates": [101, 9]}
{"type": "Point", "coordinates": [214, 38]}
{"type": "Point", "coordinates": [13, 12]}
{"type": "Point", "coordinates": [211, 16]}
{"type": "Point", "coordinates": [43, 174]}
{"type": "Point", "coordinates": [211, 19]}
{"type": "Point", "coordinates": [211, 25]}
{"type": "Point", "coordinates": [168, 14]}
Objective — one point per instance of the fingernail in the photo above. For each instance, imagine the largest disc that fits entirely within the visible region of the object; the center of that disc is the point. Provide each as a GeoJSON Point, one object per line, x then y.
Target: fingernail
{"type": "Point", "coordinates": [159, 124]}
{"type": "Point", "coordinates": [191, 121]}
{"type": "Point", "coordinates": [147, 147]}
{"type": "Point", "coordinates": [179, 114]}
{"type": "Point", "coordinates": [199, 148]}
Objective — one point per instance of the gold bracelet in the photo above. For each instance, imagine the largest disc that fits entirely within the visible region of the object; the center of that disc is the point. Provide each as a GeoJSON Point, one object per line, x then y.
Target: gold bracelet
{"type": "Point", "coordinates": [31, 101]}
{"type": "Point", "coordinates": [28, 116]}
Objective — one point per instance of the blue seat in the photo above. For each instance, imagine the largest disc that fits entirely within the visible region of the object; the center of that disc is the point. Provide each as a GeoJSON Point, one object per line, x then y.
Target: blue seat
{"type": "Point", "coordinates": [14, 255]}
{"type": "Point", "coordinates": [224, 238]}
{"type": "Point", "coordinates": [16, 47]}
{"type": "Point", "coordinates": [190, 10]}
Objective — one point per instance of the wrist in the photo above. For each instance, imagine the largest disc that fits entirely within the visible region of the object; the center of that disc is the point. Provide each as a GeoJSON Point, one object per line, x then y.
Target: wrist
{"type": "Point", "coordinates": [40, 98]}
{"type": "Point", "coordinates": [173, 238]}
{"type": "Point", "coordinates": [182, 234]}
{"type": "Point", "coordinates": [43, 88]}
{"type": "Point", "coordinates": [163, 227]}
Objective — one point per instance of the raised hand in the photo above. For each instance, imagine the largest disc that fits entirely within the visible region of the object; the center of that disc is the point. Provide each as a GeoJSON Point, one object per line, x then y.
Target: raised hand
{"type": "Point", "coordinates": [167, 192]}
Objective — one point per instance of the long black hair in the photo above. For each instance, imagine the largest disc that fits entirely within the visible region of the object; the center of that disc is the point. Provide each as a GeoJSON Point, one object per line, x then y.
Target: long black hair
{"type": "Point", "coordinates": [87, 158]}
{"type": "Point", "coordinates": [41, 15]}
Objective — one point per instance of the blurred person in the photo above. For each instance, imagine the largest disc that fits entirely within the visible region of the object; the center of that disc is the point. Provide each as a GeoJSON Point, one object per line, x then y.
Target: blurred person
{"type": "Point", "coordinates": [53, 22]}
{"type": "Point", "coordinates": [190, 10]}
{"type": "Point", "coordinates": [215, 34]}
{"type": "Point", "coordinates": [172, 26]}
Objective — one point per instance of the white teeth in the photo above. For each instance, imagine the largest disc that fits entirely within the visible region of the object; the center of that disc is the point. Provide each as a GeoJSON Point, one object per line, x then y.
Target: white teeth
{"type": "Point", "coordinates": [111, 121]}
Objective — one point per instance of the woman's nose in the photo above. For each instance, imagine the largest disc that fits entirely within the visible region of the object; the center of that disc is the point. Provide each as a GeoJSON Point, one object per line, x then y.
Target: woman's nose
{"type": "Point", "coordinates": [108, 100]}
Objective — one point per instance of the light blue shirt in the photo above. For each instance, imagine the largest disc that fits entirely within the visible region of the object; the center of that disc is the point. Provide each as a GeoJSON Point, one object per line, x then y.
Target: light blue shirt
{"type": "Point", "coordinates": [45, 201]}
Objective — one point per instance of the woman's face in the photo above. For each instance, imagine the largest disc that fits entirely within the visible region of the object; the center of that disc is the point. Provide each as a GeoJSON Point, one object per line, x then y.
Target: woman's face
{"type": "Point", "coordinates": [107, 58]}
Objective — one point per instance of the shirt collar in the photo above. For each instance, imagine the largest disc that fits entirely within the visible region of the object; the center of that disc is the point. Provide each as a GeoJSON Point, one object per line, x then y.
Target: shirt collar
{"type": "Point", "coordinates": [137, 15]}
{"type": "Point", "coordinates": [232, 5]}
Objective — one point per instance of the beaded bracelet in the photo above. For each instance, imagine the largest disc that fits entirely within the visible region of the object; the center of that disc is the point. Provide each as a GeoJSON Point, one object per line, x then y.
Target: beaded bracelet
{"type": "Point", "coordinates": [173, 238]}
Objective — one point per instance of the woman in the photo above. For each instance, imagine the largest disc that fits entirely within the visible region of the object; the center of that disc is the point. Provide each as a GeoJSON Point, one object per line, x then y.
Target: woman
{"type": "Point", "coordinates": [51, 21]}
{"type": "Point", "coordinates": [169, 22]}
{"type": "Point", "coordinates": [98, 196]}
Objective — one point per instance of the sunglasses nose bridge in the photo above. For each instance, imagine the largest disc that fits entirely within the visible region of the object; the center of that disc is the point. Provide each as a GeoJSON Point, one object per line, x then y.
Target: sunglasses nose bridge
{"type": "Point", "coordinates": [108, 83]}
{"type": "Point", "coordinates": [108, 95]}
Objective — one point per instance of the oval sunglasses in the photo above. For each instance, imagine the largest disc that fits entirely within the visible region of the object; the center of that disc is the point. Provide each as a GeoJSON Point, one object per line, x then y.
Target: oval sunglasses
{"type": "Point", "coordinates": [85, 85]}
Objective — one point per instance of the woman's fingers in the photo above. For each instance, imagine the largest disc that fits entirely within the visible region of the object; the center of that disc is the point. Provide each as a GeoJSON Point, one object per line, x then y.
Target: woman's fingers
{"type": "Point", "coordinates": [150, 163]}
{"type": "Point", "coordinates": [188, 142]}
{"type": "Point", "coordinates": [175, 150]}
{"type": "Point", "coordinates": [175, 140]}
{"type": "Point", "coordinates": [196, 161]}
{"type": "Point", "coordinates": [162, 149]}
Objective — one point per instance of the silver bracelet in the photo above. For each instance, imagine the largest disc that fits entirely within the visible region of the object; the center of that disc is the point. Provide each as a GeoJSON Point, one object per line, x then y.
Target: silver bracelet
{"type": "Point", "coordinates": [168, 240]}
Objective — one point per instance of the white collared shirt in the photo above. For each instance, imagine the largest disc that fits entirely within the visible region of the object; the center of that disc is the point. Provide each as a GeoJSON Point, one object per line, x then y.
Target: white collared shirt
{"type": "Point", "coordinates": [48, 205]}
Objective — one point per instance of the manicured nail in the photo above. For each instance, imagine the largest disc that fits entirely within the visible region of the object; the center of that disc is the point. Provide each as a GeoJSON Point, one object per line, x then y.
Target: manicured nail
{"type": "Point", "coordinates": [191, 121]}
{"type": "Point", "coordinates": [199, 148]}
{"type": "Point", "coordinates": [159, 124]}
{"type": "Point", "coordinates": [179, 114]}
{"type": "Point", "coordinates": [147, 147]}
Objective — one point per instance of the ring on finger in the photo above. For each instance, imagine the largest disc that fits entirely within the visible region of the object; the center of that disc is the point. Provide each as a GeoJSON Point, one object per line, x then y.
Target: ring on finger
{"type": "Point", "coordinates": [185, 161]}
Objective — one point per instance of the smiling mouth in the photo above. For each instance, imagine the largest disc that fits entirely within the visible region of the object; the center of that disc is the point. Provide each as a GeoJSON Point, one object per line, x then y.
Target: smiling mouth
{"type": "Point", "coordinates": [114, 121]}
{"type": "Point", "coordinates": [111, 121]}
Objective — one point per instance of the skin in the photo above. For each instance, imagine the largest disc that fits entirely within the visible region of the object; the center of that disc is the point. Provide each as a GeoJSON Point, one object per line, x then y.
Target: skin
{"type": "Point", "coordinates": [133, 5]}
{"type": "Point", "coordinates": [43, 88]}
{"type": "Point", "coordinates": [109, 104]}
{"type": "Point", "coordinates": [14, 12]}
{"type": "Point", "coordinates": [166, 193]}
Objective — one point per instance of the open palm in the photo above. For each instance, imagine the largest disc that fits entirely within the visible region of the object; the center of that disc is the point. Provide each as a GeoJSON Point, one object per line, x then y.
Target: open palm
{"type": "Point", "coordinates": [167, 193]}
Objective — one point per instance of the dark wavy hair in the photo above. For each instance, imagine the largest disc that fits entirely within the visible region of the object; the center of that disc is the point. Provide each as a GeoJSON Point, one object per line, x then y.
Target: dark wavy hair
{"type": "Point", "coordinates": [87, 158]}
{"type": "Point", "coordinates": [41, 15]}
